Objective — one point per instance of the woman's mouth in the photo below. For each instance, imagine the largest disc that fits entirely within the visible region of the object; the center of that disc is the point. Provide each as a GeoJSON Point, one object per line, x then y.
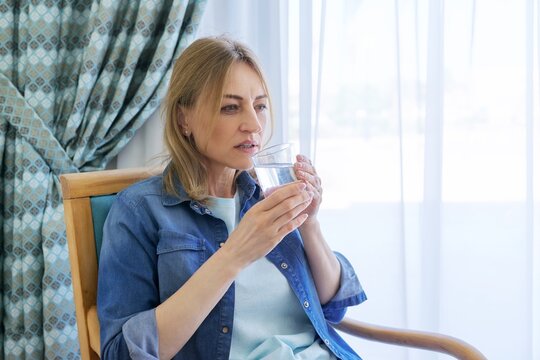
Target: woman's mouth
{"type": "Point", "coordinates": [248, 148]}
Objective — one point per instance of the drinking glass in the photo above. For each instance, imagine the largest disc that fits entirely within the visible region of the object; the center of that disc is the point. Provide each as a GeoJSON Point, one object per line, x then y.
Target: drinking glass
{"type": "Point", "coordinates": [274, 167]}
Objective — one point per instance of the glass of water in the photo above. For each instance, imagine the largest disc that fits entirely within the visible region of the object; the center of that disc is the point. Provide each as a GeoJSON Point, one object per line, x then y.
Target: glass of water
{"type": "Point", "coordinates": [274, 167]}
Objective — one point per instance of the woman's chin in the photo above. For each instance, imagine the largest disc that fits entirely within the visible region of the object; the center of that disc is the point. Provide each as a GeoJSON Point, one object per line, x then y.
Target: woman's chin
{"type": "Point", "coordinates": [244, 165]}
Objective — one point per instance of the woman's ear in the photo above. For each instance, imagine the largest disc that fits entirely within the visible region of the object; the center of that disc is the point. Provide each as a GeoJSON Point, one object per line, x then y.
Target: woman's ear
{"type": "Point", "coordinates": [183, 121]}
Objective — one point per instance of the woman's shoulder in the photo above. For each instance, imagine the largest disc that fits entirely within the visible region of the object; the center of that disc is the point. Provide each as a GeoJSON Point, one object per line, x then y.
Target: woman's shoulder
{"type": "Point", "coordinates": [140, 191]}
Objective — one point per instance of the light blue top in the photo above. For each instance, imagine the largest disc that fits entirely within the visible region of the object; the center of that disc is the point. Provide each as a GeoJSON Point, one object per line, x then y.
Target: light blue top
{"type": "Point", "coordinates": [226, 209]}
{"type": "Point", "coordinates": [269, 322]}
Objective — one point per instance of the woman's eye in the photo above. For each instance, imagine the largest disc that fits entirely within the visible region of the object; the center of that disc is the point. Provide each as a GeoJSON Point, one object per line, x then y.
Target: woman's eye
{"type": "Point", "coordinates": [260, 107]}
{"type": "Point", "coordinates": [228, 109]}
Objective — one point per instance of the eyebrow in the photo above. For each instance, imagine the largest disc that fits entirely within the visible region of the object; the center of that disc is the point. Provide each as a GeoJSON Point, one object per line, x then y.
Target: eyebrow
{"type": "Point", "coordinates": [238, 97]}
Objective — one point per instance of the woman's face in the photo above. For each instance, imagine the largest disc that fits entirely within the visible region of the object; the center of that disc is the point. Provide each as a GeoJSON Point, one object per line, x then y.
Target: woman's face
{"type": "Point", "coordinates": [238, 130]}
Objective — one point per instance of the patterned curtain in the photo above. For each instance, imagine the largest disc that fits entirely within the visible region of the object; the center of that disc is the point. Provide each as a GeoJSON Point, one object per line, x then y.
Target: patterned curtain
{"type": "Point", "coordinates": [77, 79]}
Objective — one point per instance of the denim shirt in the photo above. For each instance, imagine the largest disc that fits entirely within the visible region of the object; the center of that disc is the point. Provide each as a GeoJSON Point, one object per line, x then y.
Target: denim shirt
{"type": "Point", "coordinates": [153, 243]}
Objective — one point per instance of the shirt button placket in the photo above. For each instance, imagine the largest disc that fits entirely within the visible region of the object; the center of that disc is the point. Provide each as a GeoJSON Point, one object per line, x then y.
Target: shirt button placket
{"type": "Point", "coordinates": [329, 345]}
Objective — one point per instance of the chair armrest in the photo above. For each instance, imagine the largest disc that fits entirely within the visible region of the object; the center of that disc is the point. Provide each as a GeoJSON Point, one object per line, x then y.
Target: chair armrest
{"type": "Point", "coordinates": [93, 329]}
{"type": "Point", "coordinates": [411, 338]}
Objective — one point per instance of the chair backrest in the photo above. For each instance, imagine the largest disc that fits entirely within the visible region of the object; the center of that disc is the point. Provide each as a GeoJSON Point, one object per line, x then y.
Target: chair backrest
{"type": "Point", "coordinates": [87, 199]}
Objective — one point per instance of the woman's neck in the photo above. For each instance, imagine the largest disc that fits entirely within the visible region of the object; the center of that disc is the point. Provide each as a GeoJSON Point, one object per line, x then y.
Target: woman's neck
{"type": "Point", "coordinates": [222, 185]}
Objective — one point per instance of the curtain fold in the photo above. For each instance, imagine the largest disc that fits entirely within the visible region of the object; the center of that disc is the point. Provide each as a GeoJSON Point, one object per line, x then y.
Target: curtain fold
{"type": "Point", "coordinates": [431, 208]}
{"type": "Point", "coordinates": [311, 19]}
{"type": "Point", "coordinates": [77, 79]}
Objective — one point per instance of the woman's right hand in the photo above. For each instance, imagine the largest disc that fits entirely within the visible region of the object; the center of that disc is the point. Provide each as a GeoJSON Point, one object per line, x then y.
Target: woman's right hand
{"type": "Point", "coordinates": [267, 223]}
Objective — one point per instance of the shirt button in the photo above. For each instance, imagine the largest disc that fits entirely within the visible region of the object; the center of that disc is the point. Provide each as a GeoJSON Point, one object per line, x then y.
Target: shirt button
{"type": "Point", "coordinates": [221, 244]}
{"type": "Point", "coordinates": [327, 342]}
{"type": "Point", "coordinates": [306, 304]}
{"type": "Point", "coordinates": [225, 329]}
{"type": "Point", "coordinates": [284, 265]}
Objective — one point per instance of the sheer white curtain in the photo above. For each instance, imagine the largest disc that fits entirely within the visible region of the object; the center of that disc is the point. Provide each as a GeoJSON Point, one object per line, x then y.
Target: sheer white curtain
{"type": "Point", "coordinates": [423, 118]}
{"type": "Point", "coordinates": [428, 144]}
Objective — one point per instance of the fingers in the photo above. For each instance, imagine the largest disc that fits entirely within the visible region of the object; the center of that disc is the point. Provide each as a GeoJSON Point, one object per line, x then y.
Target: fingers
{"type": "Point", "coordinates": [268, 221]}
{"type": "Point", "coordinates": [306, 172]}
{"type": "Point", "coordinates": [285, 204]}
{"type": "Point", "coordinates": [278, 195]}
{"type": "Point", "coordinates": [304, 163]}
{"type": "Point", "coordinates": [292, 225]}
{"type": "Point", "coordinates": [310, 178]}
{"type": "Point", "coordinates": [289, 209]}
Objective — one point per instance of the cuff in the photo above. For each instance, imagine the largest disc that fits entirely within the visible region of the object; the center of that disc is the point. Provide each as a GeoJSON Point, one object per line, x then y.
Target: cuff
{"type": "Point", "coordinates": [350, 292]}
{"type": "Point", "coordinates": [140, 334]}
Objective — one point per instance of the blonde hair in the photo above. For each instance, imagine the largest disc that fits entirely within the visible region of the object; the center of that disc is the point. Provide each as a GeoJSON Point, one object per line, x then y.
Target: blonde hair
{"type": "Point", "coordinates": [201, 69]}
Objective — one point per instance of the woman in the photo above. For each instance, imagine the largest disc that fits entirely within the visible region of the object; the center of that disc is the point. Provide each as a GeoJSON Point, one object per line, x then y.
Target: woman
{"type": "Point", "coordinates": [197, 264]}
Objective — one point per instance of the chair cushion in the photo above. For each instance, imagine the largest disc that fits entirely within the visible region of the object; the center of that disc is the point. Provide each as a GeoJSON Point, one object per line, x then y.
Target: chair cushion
{"type": "Point", "coordinates": [100, 208]}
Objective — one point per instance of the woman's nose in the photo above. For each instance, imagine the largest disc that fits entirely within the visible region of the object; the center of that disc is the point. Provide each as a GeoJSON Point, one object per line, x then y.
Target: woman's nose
{"type": "Point", "coordinates": [251, 122]}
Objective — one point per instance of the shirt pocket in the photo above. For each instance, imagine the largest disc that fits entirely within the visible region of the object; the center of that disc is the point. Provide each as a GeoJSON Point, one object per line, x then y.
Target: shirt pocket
{"type": "Point", "coordinates": [179, 255]}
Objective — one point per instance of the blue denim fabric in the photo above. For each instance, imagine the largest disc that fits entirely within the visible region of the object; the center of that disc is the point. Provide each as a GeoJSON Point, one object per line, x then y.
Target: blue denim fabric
{"type": "Point", "coordinates": [153, 243]}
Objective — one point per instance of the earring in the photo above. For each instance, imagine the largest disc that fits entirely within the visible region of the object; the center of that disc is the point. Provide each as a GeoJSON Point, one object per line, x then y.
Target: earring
{"type": "Point", "coordinates": [186, 132]}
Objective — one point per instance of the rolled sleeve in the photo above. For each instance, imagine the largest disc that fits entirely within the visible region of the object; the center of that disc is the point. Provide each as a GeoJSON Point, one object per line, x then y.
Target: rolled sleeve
{"type": "Point", "coordinates": [140, 334]}
{"type": "Point", "coordinates": [350, 292]}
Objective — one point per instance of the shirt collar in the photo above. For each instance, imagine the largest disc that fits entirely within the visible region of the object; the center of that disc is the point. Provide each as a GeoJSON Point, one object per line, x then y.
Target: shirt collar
{"type": "Point", "coordinates": [168, 199]}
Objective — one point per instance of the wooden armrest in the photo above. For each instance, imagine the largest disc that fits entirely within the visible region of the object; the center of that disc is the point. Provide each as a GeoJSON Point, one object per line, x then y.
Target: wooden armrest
{"type": "Point", "coordinates": [411, 338]}
{"type": "Point", "coordinates": [93, 329]}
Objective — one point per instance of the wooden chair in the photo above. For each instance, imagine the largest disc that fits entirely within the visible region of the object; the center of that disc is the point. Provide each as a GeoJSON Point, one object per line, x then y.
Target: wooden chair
{"type": "Point", "coordinates": [90, 193]}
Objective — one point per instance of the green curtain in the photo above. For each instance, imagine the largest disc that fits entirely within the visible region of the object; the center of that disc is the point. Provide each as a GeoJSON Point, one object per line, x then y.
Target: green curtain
{"type": "Point", "coordinates": [77, 79]}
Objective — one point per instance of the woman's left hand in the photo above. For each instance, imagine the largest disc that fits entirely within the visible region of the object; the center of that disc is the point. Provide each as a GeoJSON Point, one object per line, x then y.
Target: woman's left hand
{"type": "Point", "coordinates": [305, 171]}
